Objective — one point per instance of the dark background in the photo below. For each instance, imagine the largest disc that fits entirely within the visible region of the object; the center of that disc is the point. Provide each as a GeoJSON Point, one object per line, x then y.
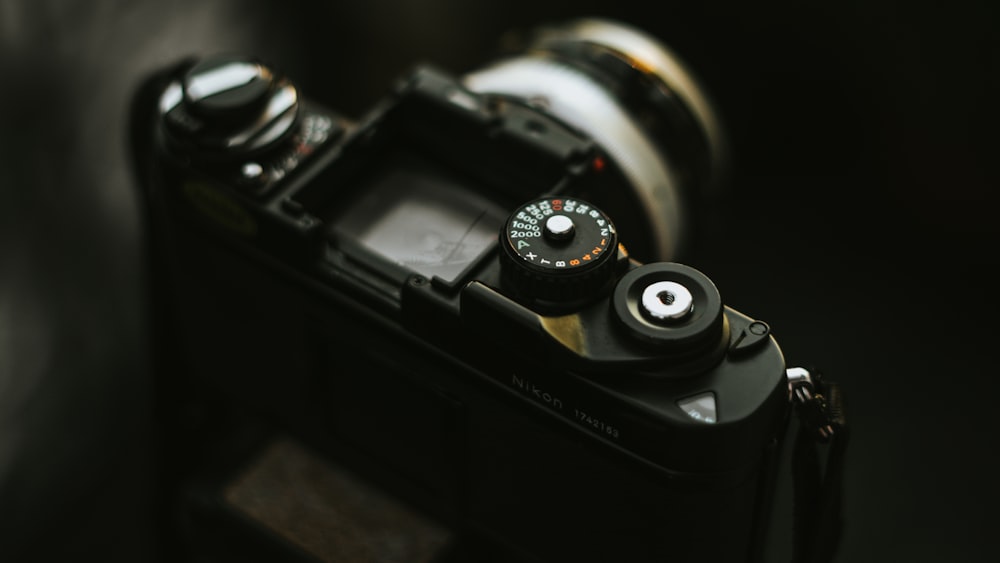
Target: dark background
{"type": "Point", "coordinates": [861, 225]}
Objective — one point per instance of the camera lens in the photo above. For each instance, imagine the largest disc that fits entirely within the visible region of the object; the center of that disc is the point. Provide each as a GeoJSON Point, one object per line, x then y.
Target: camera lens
{"type": "Point", "coordinates": [638, 101]}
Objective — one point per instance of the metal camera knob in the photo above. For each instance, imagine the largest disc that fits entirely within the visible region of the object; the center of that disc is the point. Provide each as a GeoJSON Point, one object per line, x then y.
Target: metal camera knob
{"type": "Point", "coordinates": [228, 106]}
{"type": "Point", "coordinates": [669, 305]}
{"type": "Point", "coordinates": [558, 250]}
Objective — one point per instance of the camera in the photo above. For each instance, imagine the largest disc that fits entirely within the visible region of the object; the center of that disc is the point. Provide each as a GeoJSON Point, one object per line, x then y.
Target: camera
{"type": "Point", "coordinates": [466, 301]}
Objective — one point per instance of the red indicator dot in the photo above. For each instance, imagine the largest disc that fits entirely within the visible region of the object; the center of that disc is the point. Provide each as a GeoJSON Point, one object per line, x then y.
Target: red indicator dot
{"type": "Point", "coordinates": [599, 164]}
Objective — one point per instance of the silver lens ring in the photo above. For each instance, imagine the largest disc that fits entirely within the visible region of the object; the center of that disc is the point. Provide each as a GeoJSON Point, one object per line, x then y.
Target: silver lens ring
{"type": "Point", "coordinates": [561, 67]}
{"type": "Point", "coordinates": [576, 99]}
{"type": "Point", "coordinates": [649, 57]}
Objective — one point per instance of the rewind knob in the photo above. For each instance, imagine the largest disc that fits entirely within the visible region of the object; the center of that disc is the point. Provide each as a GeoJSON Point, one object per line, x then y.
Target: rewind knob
{"type": "Point", "coordinates": [228, 107]}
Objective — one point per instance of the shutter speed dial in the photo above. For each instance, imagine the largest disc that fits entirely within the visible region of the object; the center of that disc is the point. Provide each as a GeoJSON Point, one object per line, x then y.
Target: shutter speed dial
{"type": "Point", "coordinates": [558, 249]}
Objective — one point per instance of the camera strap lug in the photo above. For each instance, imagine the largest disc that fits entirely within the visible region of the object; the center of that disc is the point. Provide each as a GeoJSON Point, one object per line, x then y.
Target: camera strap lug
{"type": "Point", "coordinates": [822, 432]}
{"type": "Point", "coordinates": [819, 404]}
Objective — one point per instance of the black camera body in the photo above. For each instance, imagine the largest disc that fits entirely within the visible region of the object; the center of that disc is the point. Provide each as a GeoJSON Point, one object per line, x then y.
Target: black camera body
{"type": "Point", "coordinates": [439, 297]}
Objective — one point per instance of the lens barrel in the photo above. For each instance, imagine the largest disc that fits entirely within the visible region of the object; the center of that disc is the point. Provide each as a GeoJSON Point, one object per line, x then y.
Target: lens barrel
{"type": "Point", "coordinates": [637, 100]}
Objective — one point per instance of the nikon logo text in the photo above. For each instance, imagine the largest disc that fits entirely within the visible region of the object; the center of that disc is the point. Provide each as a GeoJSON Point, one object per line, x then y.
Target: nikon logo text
{"type": "Point", "coordinates": [529, 389]}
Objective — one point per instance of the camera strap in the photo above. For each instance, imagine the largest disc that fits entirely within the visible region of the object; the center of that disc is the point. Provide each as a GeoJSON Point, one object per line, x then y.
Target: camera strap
{"type": "Point", "coordinates": [817, 465]}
